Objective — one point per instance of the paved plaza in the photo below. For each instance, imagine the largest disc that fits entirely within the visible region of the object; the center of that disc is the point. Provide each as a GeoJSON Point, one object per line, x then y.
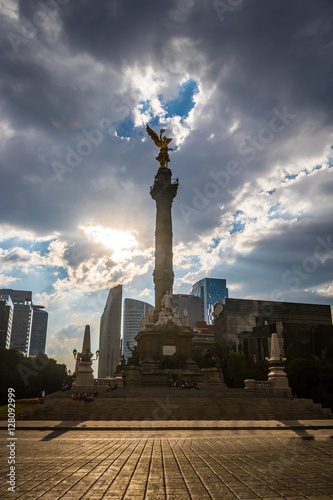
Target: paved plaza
{"type": "Point", "coordinates": [171, 464]}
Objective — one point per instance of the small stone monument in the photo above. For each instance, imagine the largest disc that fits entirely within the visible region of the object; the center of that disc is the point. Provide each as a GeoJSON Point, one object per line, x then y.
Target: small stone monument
{"type": "Point", "coordinates": [84, 379]}
{"type": "Point", "coordinates": [277, 382]}
{"type": "Point", "coordinates": [277, 376]}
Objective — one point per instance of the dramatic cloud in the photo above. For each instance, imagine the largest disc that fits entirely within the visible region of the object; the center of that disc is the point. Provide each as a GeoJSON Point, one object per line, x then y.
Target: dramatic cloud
{"type": "Point", "coordinates": [245, 92]}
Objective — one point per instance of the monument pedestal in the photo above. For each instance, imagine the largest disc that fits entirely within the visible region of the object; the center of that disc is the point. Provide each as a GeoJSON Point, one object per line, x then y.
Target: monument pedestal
{"type": "Point", "coordinates": [133, 375]}
{"type": "Point", "coordinates": [84, 380]}
{"type": "Point", "coordinates": [278, 381]}
{"type": "Point", "coordinates": [213, 376]}
{"type": "Point", "coordinates": [170, 345]}
{"type": "Point", "coordinates": [157, 341]}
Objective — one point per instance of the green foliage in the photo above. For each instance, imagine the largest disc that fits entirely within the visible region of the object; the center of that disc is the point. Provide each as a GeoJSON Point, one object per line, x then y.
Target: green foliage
{"type": "Point", "coordinates": [309, 376]}
{"type": "Point", "coordinates": [203, 357]}
{"type": "Point", "coordinates": [197, 356]}
{"type": "Point", "coordinates": [312, 376]}
{"type": "Point", "coordinates": [236, 368]}
{"type": "Point", "coordinates": [258, 370]}
{"type": "Point", "coordinates": [19, 408]}
{"type": "Point", "coordinates": [302, 375]}
{"type": "Point", "coordinates": [28, 376]}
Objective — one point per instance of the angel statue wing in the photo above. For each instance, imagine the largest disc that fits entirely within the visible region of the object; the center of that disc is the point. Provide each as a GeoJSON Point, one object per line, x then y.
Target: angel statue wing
{"type": "Point", "coordinates": [154, 136]}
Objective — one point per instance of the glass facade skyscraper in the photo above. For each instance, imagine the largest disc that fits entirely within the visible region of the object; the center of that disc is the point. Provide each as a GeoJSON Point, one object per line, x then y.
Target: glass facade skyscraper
{"type": "Point", "coordinates": [131, 326]}
{"type": "Point", "coordinates": [38, 330]}
{"type": "Point", "coordinates": [211, 290]}
{"type": "Point", "coordinates": [245, 324]}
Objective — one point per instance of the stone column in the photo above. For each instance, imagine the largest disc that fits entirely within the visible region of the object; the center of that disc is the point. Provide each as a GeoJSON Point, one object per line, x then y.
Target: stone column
{"type": "Point", "coordinates": [163, 192]}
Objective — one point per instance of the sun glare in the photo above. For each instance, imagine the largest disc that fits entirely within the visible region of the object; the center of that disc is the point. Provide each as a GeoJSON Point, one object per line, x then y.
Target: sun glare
{"type": "Point", "coordinates": [121, 243]}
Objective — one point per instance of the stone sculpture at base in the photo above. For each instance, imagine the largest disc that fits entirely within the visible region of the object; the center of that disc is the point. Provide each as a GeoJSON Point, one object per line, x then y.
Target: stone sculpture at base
{"type": "Point", "coordinates": [167, 335]}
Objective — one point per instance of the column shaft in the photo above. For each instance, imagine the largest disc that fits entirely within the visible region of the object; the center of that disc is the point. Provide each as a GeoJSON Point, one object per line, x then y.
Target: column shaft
{"type": "Point", "coordinates": [163, 192]}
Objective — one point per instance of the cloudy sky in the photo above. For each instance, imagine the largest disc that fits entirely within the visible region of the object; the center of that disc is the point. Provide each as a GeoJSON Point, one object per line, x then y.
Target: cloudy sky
{"type": "Point", "coordinates": [244, 88]}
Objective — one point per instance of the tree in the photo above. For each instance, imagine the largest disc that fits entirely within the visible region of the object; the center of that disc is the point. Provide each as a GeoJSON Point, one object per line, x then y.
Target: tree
{"type": "Point", "coordinates": [236, 368]}
{"type": "Point", "coordinates": [312, 328]}
{"type": "Point", "coordinates": [28, 376]}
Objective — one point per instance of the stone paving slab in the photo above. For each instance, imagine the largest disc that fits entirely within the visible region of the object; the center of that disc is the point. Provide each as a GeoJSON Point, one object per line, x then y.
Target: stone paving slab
{"type": "Point", "coordinates": [169, 464]}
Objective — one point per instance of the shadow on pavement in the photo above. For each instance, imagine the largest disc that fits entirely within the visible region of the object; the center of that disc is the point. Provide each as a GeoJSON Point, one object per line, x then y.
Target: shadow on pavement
{"type": "Point", "coordinates": [59, 430]}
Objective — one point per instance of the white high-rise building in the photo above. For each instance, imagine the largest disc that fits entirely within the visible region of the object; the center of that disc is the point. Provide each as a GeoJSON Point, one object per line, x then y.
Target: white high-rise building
{"type": "Point", "coordinates": [109, 336]}
{"type": "Point", "coordinates": [6, 320]}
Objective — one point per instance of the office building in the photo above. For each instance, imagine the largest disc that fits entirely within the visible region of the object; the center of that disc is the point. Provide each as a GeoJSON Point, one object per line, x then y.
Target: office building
{"type": "Point", "coordinates": [193, 304]}
{"type": "Point", "coordinates": [38, 331]}
{"type": "Point", "coordinates": [131, 326]}
{"type": "Point", "coordinates": [247, 325]}
{"type": "Point", "coordinates": [6, 320]}
{"type": "Point", "coordinates": [204, 336]}
{"type": "Point", "coordinates": [109, 336]}
{"type": "Point", "coordinates": [211, 290]}
{"type": "Point", "coordinates": [22, 319]}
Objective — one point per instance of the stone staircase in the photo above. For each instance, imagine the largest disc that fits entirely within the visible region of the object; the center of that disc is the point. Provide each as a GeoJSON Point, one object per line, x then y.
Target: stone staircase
{"type": "Point", "coordinates": [173, 404]}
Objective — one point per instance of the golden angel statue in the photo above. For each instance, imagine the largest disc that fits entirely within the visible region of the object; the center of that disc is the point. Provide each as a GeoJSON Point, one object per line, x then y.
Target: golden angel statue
{"type": "Point", "coordinates": [162, 143]}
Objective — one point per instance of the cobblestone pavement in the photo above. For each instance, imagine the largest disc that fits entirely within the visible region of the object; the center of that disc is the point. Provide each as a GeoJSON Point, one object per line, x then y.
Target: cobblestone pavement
{"type": "Point", "coordinates": [170, 465]}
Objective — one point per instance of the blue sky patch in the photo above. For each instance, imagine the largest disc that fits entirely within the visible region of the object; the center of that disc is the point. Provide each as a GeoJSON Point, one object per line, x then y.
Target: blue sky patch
{"type": "Point", "coordinates": [290, 176]}
{"type": "Point", "coordinates": [182, 105]}
{"type": "Point", "coordinates": [273, 209]}
{"type": "Point", "coordinates": [14, 242]}
{"type": "Point", "coordinates": [215, 242]}
{"type": "Point", "coordinates": [236, 226]}
{"type": "Point", "coordinates": [126, 128]}
{"type": "Point", "coordinates": [33, 246]}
